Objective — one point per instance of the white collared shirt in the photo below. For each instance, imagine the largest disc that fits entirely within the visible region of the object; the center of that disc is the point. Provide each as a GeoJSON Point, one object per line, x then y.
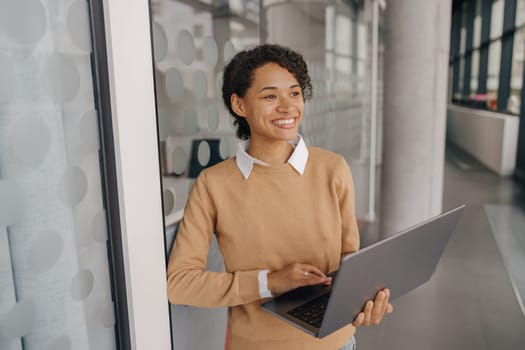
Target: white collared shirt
{"type": "Point", "coordinates": [297, 160]}
{"type": "Point", "coordinates": [245, 164]}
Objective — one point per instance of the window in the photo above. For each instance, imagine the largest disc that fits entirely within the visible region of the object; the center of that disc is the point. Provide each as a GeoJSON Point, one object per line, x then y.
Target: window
{"type": "Point", "coordinates": [490, 55]}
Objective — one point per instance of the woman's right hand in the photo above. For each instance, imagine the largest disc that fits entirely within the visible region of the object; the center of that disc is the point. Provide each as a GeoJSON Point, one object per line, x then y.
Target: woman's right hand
{"type": "Point", "coordinates": [295, 276]}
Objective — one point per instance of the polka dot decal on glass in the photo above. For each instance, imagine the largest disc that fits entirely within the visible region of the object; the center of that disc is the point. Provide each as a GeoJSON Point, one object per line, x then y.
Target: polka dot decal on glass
{"type": "Point", "coordinates": [179, 159]}
{"type": "Point", "coordinates": [60, 343]}
{"type": "Point", "coordinates": [24, 20]}
{"type": "Point", "coordinates": [7, 79]}
{"type": "Point", "coordinates": [213, 118]}
{"type": "Point", "coordinates": [218, 84]}
{"type": "Point", "coordinates": [108, 315]}
{"type": "Point", "coordinates": [185, 47]}
{"type": "Point", "coordinates": [82, 284]}
{"type": "Point", "coordinates": [229, 51]}
{"type": "Point", "coordinates": [12, 202]}
{"type": "Point", "coordinates": [200, 85]}
{"type": "Point", "coordinates": [165, 129]}
{"type": "Point", "coordinates": [204, 153]}
{"type": "Point", "coordinates": [224, 148]}
{"type": "Point", "coordinates": [46, 250]}
{"type": "Point", "coordinates": [210, 51]}
{"type": "Point", "coordinates": [64, 78]}
{"type": "Point", "coordinates": [89, 131]}
{"type": "Point", "coordinates": [99, 227]}
{"type": "Point", "coordinates": [30, 141]}
{"type": "Point", "coordinates": [190, 121]}
{"type": "Point", "coordinates": [168, 199]}
{"type": "Point", "coordinates": [78, 24]}
{"type": "Point", "coordinates": [19, 320]}
{"type": "Point", "coordinates": [160, 42]}
{"type": "Point", "coordinates": [174, 85]}
{"type": "Point", "coordinates": [73, 186]}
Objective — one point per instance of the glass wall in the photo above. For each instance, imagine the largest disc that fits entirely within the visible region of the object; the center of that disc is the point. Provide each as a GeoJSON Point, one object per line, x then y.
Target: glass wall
{"type": "Point", "coordinates": [192, 41]}
{"type": "Point", "coordinates": [55, 290]}
{"type": "Point", "coordinates": [496, 28]}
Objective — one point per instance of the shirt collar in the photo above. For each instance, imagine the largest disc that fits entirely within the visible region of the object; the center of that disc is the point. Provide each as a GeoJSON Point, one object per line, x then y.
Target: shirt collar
{"type": "Point", "coordinates": [297, 160]}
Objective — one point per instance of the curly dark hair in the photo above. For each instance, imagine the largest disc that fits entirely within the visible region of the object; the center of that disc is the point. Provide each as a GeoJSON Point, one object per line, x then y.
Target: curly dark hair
{"type": "Point", "coordinates": [238, 76]}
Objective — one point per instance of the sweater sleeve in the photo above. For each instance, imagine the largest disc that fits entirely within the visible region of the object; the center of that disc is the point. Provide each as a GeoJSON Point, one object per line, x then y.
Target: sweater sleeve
{"type": "Point", "coordinates": [188, 281]}
{"type": "Point", "coordinates": [346, 197]}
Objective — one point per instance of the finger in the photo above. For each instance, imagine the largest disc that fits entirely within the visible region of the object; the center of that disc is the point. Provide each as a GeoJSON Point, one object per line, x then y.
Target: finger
{"type": "Point", "coordinates": [311, 269]}
{"type": "Point", "coordinates": [311, 279]}
{"type": "Point", "coordinates": [379, 307]}
{"type": "Point", "coordinates": [386, 302]}
{"type": "Point", "coordinates": [358, 321]}
{"type": "Point", "coordinates": [368, 312]}
{"type": "Point", "coordinates": [389, 309]}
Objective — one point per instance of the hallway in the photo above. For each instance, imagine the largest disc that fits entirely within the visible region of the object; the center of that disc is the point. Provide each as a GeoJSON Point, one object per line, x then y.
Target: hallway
{"type": "Point", "coordinates": [472, 300]}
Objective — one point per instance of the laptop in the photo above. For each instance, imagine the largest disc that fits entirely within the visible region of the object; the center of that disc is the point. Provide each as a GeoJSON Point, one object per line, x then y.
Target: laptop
{"type": "Point", "coordinates": [400, 263]}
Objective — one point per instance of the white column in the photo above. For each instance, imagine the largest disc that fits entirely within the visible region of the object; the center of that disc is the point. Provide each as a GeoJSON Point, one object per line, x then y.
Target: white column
{"type": "Point", "coordinates": [136, 151]}
{"type": "Point", "coordinates": [416, 65]}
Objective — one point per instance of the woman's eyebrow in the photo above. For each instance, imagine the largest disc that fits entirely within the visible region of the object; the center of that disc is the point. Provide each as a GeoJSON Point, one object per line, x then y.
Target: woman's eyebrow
{"type": "Point", "coordinates": [275, 88]}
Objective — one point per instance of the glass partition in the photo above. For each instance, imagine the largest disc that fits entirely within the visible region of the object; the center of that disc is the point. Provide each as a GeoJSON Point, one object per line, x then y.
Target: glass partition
{"type": "Point", "coordinates": [55, 289]}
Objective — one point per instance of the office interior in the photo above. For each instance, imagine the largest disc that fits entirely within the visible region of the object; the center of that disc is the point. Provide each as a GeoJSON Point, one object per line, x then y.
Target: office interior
{"type": "Point", "coordinates": [109, 109]}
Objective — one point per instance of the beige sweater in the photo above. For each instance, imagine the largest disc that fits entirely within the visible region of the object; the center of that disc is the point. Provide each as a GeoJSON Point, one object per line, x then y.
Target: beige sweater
{"type": "Point", "coordinates": [274, 218]}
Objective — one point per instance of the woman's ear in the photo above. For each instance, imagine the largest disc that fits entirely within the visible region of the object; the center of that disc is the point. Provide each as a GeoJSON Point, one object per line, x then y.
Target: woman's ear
{"type": "Point", "coordinates": [237, 105]}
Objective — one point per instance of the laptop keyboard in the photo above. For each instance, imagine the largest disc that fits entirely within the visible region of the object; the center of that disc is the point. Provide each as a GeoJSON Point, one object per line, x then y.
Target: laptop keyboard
{"type": "Point", "coordinates": [313, 311]}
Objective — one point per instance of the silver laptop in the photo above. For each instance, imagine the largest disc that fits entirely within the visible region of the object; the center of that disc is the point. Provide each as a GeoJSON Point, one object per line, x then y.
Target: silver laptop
{"type": "Point", "coordinates": [400, 263]}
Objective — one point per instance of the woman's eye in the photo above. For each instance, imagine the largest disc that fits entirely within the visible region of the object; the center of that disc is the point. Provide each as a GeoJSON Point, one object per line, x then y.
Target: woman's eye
{"type": "Point", "coordinates": [296, 93]}
{"type": "Point", "coordinates": [270, 97]}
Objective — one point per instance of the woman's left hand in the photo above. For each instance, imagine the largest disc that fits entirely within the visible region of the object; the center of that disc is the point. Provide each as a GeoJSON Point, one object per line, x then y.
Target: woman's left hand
{"type": "Point", "coordinates": [374, 310]}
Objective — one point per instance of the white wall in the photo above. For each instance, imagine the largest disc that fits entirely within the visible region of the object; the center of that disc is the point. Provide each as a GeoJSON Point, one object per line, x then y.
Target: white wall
{"type": "Point", "coordinates": [490, 137]}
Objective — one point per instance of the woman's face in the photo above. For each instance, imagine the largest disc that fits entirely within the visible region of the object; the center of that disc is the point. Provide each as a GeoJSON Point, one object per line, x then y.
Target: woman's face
{"type": "Point", "coordinates": [273, 105]}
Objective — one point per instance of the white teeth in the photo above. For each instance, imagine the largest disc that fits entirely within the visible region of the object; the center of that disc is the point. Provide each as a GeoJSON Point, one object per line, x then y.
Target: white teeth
{"type": "Point", "coordinates": [284, 121]}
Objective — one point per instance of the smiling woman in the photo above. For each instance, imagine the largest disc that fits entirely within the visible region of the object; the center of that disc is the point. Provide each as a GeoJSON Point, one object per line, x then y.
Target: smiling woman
{"type": "Point", "coordinates": [283, 213]}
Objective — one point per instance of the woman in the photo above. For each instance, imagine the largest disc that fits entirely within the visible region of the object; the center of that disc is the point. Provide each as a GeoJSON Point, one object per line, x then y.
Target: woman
{"type": "Point", "coordinates": [283, 213]}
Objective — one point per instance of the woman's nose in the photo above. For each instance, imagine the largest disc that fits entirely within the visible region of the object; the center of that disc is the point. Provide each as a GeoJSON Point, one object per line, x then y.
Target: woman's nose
{"type": "Point", "coordinates": [284, 105]}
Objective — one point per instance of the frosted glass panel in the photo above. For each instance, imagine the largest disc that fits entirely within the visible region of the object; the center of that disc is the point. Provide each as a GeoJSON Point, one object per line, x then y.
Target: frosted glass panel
{"type": "Point", "coordinates": [55, 285]}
